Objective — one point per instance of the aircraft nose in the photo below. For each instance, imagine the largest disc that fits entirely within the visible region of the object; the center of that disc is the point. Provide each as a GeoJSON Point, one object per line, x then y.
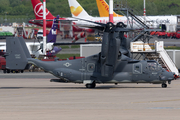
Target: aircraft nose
{"type": "Point", "coordinates": [168, 76]}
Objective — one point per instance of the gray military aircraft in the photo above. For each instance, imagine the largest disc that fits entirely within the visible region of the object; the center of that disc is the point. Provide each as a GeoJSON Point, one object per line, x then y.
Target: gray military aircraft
{"type": "Point", "coordinates": [111, 65]}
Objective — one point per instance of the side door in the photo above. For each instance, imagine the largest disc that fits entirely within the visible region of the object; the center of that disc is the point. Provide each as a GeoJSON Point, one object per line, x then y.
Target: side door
{"type": "Point", "coordinates": [137, 72]}
{"type": "Point", "coordinates": [83, 69]}
{"type": "Point", "coordinates": [153, 71]}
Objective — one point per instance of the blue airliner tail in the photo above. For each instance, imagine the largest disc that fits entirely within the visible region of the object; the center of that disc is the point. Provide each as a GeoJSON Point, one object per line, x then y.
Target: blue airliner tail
{"type": "Point", "coordinates": [53, 32]}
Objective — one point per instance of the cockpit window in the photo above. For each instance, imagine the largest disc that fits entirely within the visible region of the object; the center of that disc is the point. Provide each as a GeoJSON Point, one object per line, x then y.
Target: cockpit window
{"type": "Point", "coordinates": [159, 67]}
{"type": "Point", "coordinates": [137, 69]}
{"type": "Point", "coordinates": [152, 66]}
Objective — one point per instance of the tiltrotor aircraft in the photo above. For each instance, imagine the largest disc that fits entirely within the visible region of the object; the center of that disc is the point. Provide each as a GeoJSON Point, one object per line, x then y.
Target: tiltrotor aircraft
{"type": "Point", "coordinates": [111, 65]}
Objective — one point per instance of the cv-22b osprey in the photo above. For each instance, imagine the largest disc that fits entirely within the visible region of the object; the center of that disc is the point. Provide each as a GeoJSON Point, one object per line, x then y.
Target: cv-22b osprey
{"type": "Point", "coordinates": [111, 65]}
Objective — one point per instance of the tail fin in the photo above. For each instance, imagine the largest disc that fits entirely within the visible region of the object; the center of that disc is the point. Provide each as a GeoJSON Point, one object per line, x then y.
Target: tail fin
{"type": "Point", "coordinates": [17, 53]}
{"type": "Point", "coordinates": [38, 10]}
{"type": "Point", "coordinates": [77, 10]}
{"type": "Point", "coordinates": [53, 32]}
{"type": "Point", "coordinates": [103, 9]}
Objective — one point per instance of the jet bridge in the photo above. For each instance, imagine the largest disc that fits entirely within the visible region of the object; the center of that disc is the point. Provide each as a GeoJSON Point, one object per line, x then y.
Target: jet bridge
{"type": "Point", "coordinates": [153, 51]}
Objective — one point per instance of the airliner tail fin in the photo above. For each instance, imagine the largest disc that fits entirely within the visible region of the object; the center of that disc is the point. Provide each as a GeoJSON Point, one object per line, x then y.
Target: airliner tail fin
{"type": "Point", "coordinates": [77, 10]}
{"type": "Point", "coordinates": [53, 32]}
{"type": "Point", "coordinates": [38, 10]}
{"type": "Point", "coordinates": [103, 9]}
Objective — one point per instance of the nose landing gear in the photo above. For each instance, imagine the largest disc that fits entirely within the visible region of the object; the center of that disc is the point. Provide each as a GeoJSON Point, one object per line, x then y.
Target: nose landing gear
{"type": "Point", "coordinates": [93, 85]}
{"type": "Point", "coordinates": [169, 82]}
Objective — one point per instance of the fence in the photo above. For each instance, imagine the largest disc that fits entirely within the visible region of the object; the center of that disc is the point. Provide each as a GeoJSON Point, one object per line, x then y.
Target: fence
{"type": "Point", "coordinates": [9, 21]}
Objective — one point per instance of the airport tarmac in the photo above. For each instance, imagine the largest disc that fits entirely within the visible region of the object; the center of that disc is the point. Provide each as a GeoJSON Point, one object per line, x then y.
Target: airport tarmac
{"type": "Point", "coordinates": [31, 96]}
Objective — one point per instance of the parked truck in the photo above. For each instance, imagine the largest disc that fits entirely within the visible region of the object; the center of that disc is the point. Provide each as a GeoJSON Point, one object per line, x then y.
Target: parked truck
{"type": "Point", "coordinates": [6, 32]}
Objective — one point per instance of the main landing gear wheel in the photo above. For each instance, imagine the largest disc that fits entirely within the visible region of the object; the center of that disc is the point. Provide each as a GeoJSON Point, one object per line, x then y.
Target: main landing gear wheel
{"type": "Point", "coordinates": [4, 71]}
{"type": "Point", "coordinates": [164, 85]}
{"type": "Point", "coordinates": [93, 85]}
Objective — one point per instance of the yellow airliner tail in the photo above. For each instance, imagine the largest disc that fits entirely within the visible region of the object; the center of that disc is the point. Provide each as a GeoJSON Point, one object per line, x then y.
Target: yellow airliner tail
{"type": "Point", "coordinates": [76, 9]}
{"type": "Point", "coordinates": [103, 9]}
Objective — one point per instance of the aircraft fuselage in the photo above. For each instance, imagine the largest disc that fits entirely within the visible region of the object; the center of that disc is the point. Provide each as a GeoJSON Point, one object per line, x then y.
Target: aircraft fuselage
{"type": "Point", "coordinates": [89, 69]}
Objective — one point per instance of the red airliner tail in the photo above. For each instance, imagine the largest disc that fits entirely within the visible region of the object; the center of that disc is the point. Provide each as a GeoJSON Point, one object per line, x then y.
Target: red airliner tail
{"type": "Point", "coordinates": [38, 10]}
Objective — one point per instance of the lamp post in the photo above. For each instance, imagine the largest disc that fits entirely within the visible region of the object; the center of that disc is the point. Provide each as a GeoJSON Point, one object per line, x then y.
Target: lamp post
{"type": "Point", "coordinates": [44, 27]}
{"type": "Point", "coordinates": [5, 17]}
{"type": "Point", "coordinates": [111, 11]}
{"type": "Point", "coordinates": [144, 7]}
{"type": "Point", "coordinates": [145, 11]}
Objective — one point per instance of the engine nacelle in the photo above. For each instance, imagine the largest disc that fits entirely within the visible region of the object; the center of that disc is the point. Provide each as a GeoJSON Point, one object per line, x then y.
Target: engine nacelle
{"type": "Point", "coordinates": [104, 48]}
{"type": "Point", "coordinates": [109, 53]}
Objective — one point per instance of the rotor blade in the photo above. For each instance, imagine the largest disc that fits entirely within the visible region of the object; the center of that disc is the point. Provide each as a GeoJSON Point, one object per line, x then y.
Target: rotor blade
{"type": "Point", "coordinates": [77, 43]}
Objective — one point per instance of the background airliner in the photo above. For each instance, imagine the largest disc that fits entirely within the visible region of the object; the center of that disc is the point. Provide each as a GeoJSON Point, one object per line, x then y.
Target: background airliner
{"type": "Point", "coordinates": [78, 12]}
{"type": "Point", "coordinates": [169, 21]}
{"type": "Point", "coordinates": [38, 11]}
{"type": "Point", "coordinates": [151, 21]}
{"type": "Point", "coordinates": [103, 9]}
{"type": "Point", "coordinates": [35, 48]}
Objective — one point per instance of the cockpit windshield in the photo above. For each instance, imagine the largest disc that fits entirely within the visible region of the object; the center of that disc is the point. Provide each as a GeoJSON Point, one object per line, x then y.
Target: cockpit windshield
{"type": "Point", "coordinates": [153, 66]}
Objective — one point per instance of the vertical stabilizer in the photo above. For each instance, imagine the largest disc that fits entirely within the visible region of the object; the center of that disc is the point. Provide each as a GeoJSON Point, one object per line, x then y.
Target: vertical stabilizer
{"type": "Point", "coordinates": [77, 10]}
{"type": "Point", "coordinates": [38, 10]}
{"type": "Point", "coordinates": [103, 9]}
{"type": "Point", "coordinates": [24, 47]}
{"type": "Point", "coordinates": [53, 32]}
{"type": "Point", "coordinates": [16, 56]}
